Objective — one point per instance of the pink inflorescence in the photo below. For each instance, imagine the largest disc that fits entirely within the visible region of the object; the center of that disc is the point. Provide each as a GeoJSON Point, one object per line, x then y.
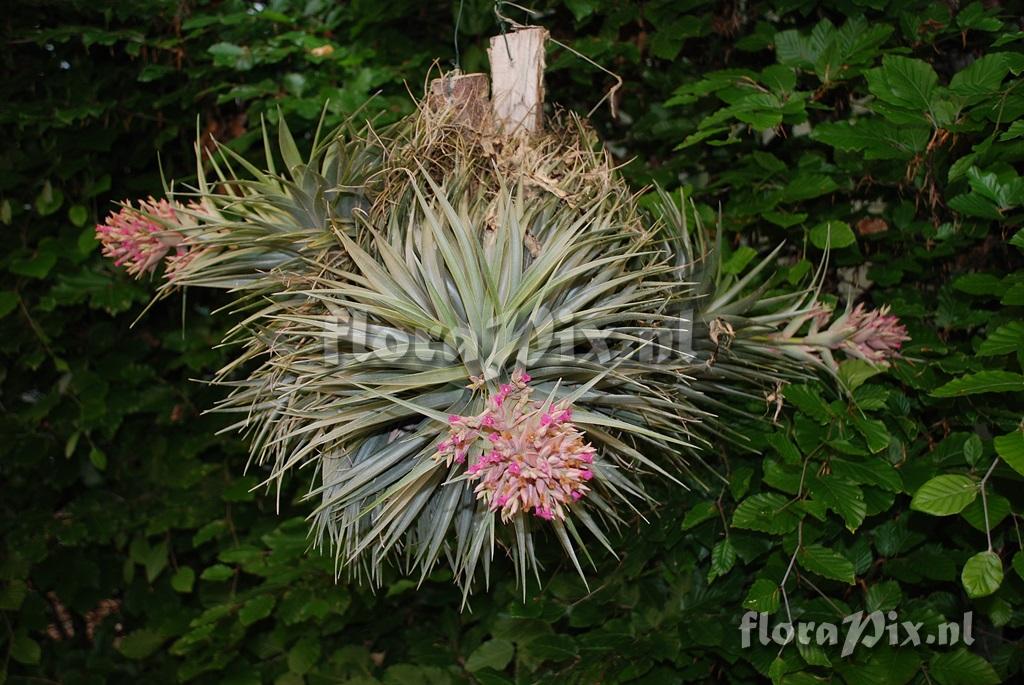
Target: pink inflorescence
{"type": "Point", "coordinates": [529, 456]}
{"type": "Point", "coordinates": [875, 336]}
{"type": "Point", "coordinates": [138, 239]}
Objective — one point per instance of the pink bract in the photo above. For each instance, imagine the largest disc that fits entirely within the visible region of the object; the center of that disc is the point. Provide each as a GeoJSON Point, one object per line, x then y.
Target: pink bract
{"type": "Point", "coordinates": [537, 461]}
{"type": "Point", "coordinates": [138, 239]}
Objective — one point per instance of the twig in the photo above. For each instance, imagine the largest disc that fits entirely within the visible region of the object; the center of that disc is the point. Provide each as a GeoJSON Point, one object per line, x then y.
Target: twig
{"type": "Point", "coordinates": [984, 502]}
{"type": "Point", "coordinates": [785, 578]}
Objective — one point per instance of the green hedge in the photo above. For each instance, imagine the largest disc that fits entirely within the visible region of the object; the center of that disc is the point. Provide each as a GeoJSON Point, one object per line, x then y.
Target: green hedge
{"type": "Point", "coordinates": [133, 549]}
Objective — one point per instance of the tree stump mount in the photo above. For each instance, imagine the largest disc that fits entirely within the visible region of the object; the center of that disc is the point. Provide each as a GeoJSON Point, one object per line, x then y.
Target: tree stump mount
{"type": "Point", "coordinates": [464, 95]}
{"type": "Point", "coordinates": [516, 103]}
{"type": "Point", "coordinates": [517, 80]}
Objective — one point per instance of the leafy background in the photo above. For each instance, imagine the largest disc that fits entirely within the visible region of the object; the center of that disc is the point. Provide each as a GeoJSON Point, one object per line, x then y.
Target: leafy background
{"type": "Point", "coordinates": [133, 549]}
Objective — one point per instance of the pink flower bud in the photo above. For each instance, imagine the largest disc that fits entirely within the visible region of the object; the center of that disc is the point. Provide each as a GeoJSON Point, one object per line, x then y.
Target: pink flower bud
{"type": "Point", "coordinates": [530, 466]}
{"type": "Point", "coordinates": [138, 239]}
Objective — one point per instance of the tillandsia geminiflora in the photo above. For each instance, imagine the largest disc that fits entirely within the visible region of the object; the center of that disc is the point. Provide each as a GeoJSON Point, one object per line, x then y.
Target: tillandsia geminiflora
{"type": "Point", "coordinates": [476, 338]}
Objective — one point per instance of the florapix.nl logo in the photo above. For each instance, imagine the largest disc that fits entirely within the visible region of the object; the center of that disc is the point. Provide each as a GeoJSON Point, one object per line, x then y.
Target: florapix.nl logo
{"type": "Point", "coordinates": [859, 629]}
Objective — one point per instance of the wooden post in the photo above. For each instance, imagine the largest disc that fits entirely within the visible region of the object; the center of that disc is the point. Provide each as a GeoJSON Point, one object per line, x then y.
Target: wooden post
{"type": "Point", "coordinates": [464, 94]}
{"type": "Point", "coordinates": [517, 79]}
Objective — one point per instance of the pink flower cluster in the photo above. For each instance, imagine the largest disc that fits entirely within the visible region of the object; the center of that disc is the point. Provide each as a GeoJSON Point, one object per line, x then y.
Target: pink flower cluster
{"type": "Point", "coordinates": [527, 456]}
{"type": "Point", "coordinates": [138, 239]}
{"type": "Point", "coordinates": [875, 336]}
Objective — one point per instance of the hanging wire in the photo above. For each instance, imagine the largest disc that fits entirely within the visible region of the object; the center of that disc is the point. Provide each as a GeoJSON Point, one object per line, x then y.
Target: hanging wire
{"type": "Point", "coordinates": [457, 62]}
{"type": "Point", "coordinates": [610, 94]}
{"type": "Point", "coordinates": [502, 22]}
{"type": "Point", "coordinates": [455, 37]}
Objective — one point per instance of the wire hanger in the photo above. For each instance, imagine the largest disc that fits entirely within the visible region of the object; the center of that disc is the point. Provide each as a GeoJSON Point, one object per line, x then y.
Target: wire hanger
{"type": "Point", "coordinates": [457, 62]}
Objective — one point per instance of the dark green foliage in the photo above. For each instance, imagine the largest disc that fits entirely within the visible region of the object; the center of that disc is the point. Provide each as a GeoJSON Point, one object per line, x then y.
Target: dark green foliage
{"type": "Point", "coordinates": [892, 130]}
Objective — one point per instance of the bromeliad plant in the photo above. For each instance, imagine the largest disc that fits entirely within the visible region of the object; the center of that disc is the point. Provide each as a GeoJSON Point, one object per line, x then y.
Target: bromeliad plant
{"type": "Point", "coordinates": [472, 338]}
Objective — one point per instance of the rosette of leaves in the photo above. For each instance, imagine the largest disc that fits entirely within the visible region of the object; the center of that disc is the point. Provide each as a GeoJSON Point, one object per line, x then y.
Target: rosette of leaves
{"type": "Point", "coordinates": [255, 232]}
{"type": "Point", "coordinates": [396, 282]}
